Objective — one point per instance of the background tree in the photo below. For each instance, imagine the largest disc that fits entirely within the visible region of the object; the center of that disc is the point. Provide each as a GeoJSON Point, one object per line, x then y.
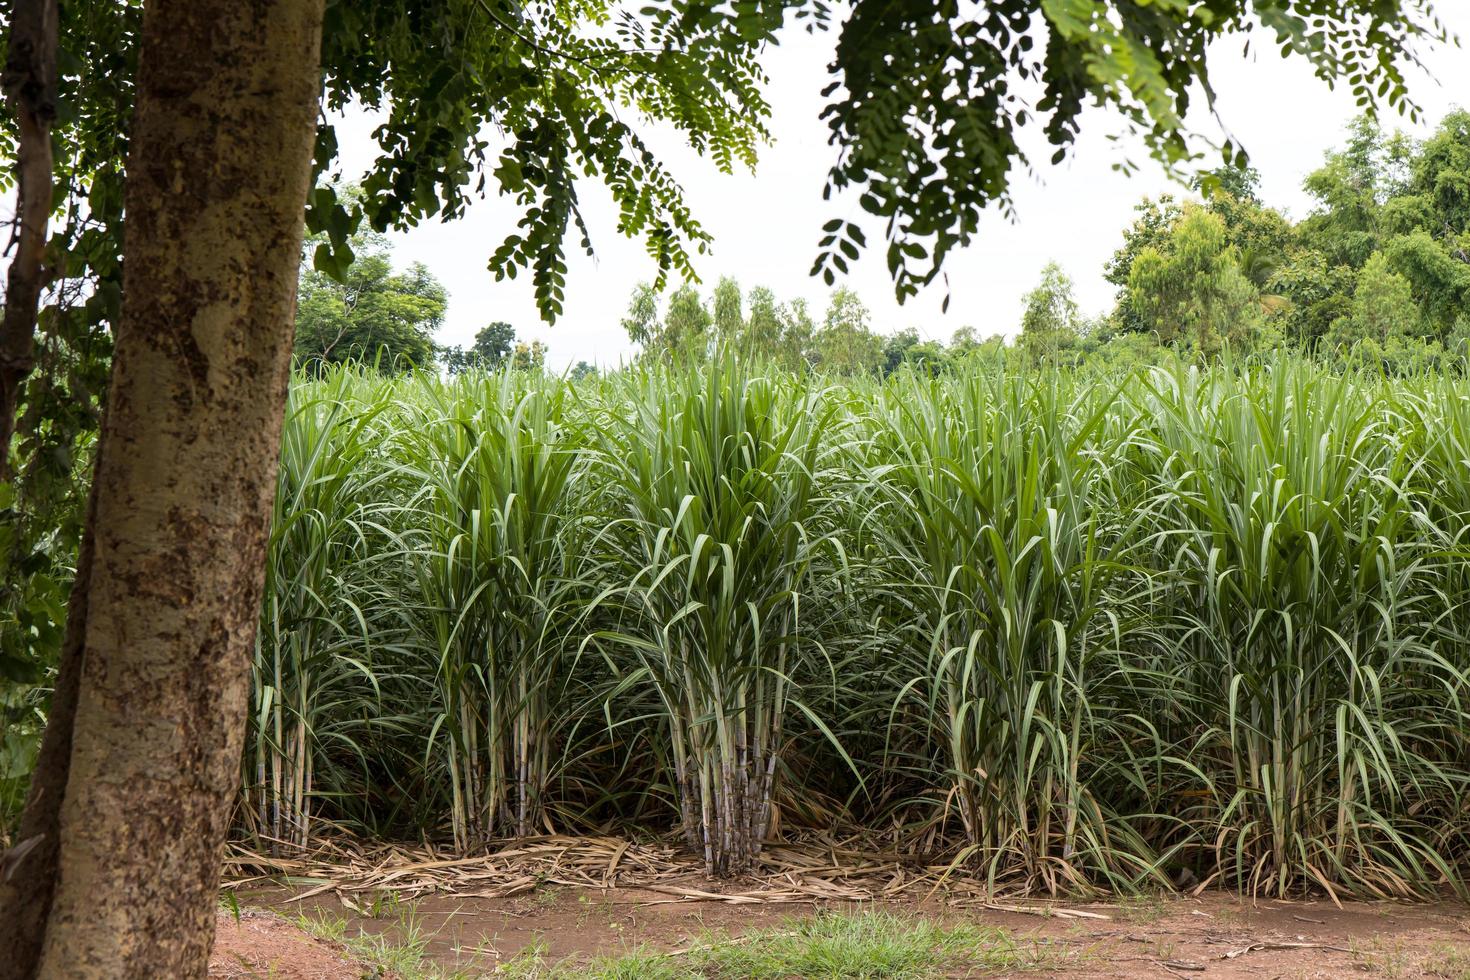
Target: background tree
{"type": "Point", "coordinates": [966, 343]}
{"type": "Point", "coordinates": [372, 314]}
{"type": "Point", "coordinates": [1192, 294]}
{"type": "Point", "coordinates": [1239, 183]}
{"type": "Point", "coordinates": [772, 332]}
{"type": "Point", "coordinates": [905, 347]}
{"type": "Point", "coordinates": [1440, 178]}
{"type": "Point", "coordinates": [781, 332]}
{"type": "Point", "coordinates": [797, 331]}
{"type": "Point", "coordinates": [29, 84]}
{"type": "Point", "coordinates": [1351, 189]}
{"type": "Point", "coordinates": [641, 321]}
{"type": "Point", "coordinates": [1151, 229]}
{"type": "Point", "coordinates": [493, 344]}
{"type": "Point", "coordinates": [896, 347]}
{"type": "Point", "coordinates": [728, 318]}
{"type": "Point", "coordinates": [1440, 279]}
{"type": "Point", "coordinates": [1317, 293]}
{"type": "Point", "coordinates": [1262, 238]}
{"type": "Point", "coordinates": [686, 334]}
{"type": "Point", "coordinates": [529, 356]}
{"type": "Point", "coordinates": [846, 343]}
{"type": "Point", "coordinates": [1390, 196]}
{"type": "Point", "coordinates": [1384, 317]}
{"type": "Point", "coordinates": [56, 342]}
{"type": "Point", "coordinates": [1049, 327]}
{"type": "Point", "coordinates": [765, 330]}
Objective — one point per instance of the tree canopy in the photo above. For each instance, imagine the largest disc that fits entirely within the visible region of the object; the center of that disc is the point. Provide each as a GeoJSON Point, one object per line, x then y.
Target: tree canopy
{"type": "Point", "coordinates": [1381, 264]}
{"type": "Point", "coordinates": [493, 344]}
{"type": "Point", "coordinates": [372, 314]}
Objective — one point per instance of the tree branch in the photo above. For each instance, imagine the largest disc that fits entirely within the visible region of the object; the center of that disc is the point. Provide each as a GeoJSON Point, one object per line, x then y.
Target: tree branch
{"type": "Point", "coordinates": [29, 82]}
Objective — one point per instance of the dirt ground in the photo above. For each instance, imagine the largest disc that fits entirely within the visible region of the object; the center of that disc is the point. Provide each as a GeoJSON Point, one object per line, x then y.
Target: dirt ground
{"type": "Point", "coordinates": [1214, 936]}
{"type": "Point", "coordinates": [260, 943]}
{"type": "Point", "coordinates": [555, 903]}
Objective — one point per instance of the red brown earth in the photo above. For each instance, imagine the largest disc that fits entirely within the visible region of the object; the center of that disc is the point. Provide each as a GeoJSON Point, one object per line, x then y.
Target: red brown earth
{"type": "Point", "coordinates": [262, 944]}
{"type": "Point", "coordinates": [1214, 936]}
{"type": "Point", "coordinates": [570, 899]}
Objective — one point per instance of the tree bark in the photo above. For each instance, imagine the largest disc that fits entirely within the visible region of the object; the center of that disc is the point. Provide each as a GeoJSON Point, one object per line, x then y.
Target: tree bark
{"type": "Point", "coordinates": [217, 179]}
{"type": "Point", "coordinates": [29, 81]}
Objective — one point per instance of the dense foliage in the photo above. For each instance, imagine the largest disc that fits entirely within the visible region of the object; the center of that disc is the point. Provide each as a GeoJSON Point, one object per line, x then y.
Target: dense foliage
{"type": "Point", "coordinates": [1381, 264]}
{"type": "Point", "coordinates": [1076, 629]}
{"type": "Point", "coordinates": [372, 313]}
{"type": "Point", "coordinates": [1380, 267]}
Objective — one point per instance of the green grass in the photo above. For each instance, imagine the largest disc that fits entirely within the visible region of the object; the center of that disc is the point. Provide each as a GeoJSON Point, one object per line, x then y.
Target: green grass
{"type": "Point", "coordinates": [401, 951]}
{"type": "Point", "coordinates": [1449, 961]}
{"type": "Point", "coordinates": [870, 946]}
{"type": "Point", "coordinates": [826, 946]}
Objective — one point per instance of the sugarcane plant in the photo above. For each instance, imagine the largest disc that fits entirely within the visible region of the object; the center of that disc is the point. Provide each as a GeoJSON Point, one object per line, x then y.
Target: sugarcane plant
{"type": "Point", "coordinates": [1069, 629]}
{"type": "Point", "coordinates": [716, 506]}
{"type": "Point", "coordinates": [315, 637]}
{"type": "Point", "coordinates": [496, 475]}
{"type": "Point", "coordinates": [1314, 616]}
{"type": "Point", "coordinates": [1006, 579]}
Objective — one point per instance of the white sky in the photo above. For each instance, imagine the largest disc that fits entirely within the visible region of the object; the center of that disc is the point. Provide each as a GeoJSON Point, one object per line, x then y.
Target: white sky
{"type": "Point", "coordinates": [766, 225]}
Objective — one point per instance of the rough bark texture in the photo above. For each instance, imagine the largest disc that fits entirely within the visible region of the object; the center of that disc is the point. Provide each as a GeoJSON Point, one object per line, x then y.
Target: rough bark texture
{"type": "Point", "coordinates": [29, 81]}
{"type": "Point", "coordinates": [217, 180]}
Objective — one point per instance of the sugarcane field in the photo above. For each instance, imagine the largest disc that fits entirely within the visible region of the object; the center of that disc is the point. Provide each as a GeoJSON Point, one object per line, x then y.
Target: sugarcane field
{"type": "Point", "coordinates": [703, 491]}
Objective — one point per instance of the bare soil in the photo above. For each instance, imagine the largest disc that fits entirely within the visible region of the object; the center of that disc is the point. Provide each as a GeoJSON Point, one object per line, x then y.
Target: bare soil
{"type": "Point", "coordinates": [262, 944]}
{"type": "Point", "coordinates": [1213, 936]}
{"type": "Point", "coordinates": [570, 899]}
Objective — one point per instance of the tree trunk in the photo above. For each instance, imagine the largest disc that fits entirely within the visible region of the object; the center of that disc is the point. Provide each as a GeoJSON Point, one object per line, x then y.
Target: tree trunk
{"type": "Point", "coordinates": [29, 81]}
{"type": "Point", "coordinates": [217, 178]}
